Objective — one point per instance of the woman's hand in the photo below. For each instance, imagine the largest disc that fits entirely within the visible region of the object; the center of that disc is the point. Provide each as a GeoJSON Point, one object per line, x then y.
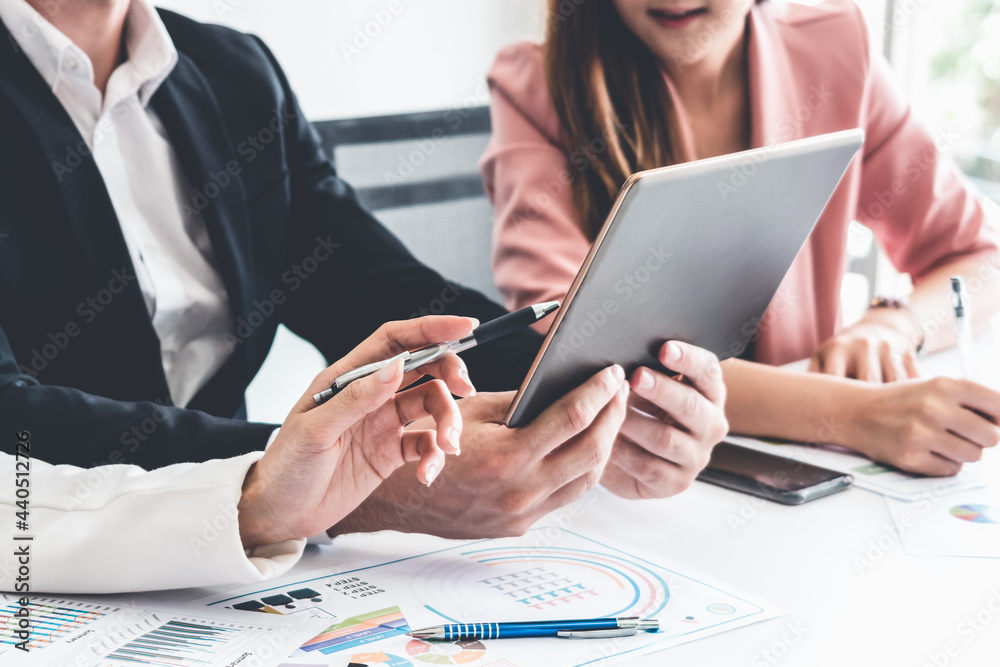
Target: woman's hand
{"type": "Point", "coordinates": [327, 459]}
{"type": "Point", "coordinates": [930, 426]}
{"type": "Point", "coordinates": [671, 425]}
{"type": "Point", "coordinates": [878, 348]}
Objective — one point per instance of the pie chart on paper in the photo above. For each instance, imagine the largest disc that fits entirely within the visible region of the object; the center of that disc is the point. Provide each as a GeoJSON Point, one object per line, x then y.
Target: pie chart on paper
{"type": "Point", "coordinates": [976, 513]}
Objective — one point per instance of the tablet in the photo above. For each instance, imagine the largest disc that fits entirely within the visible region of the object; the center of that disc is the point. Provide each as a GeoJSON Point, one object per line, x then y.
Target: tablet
{"type": "Point", "coordinates": [692, 252]}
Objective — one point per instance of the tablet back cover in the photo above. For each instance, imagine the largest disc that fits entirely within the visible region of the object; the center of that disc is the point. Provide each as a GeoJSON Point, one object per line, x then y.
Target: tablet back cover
{"type": "Point", "coordinates": [693, 252]}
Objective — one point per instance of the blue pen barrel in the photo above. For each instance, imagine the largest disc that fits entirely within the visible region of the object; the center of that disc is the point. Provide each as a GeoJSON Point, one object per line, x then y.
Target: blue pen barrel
{"type": "Point", "coordinates": [517, 629]}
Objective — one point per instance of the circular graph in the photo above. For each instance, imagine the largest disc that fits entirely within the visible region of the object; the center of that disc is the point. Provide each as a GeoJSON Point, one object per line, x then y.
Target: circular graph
{"type": "Point", "coordinates": [544, 583]}
{"type": "Point", "coordinates": [976, 513]}
{"type": "Point", "coordinates": [446, 653]}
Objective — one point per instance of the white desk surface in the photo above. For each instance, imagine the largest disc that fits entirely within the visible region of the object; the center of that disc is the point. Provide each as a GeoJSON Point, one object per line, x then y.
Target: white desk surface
{"type": "Point", "coordinates": [902, 610]}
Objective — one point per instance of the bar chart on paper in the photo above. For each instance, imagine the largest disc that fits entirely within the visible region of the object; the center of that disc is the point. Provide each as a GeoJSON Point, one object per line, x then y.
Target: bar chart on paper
{"type": "Point", "coordinates": [49, 620]}
{"type": "Point", "coordinates": [181, 642]}
{"type": "Point", "coordinates": [86, 634]}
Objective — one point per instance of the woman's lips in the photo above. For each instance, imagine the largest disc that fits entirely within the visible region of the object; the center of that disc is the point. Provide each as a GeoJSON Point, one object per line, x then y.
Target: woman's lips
{"type": "Point", "coordinates": [676, 18]}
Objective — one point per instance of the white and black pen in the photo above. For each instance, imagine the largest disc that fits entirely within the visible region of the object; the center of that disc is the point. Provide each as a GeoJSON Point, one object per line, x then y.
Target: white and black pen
{"type": "Point", "coordinates": [484, 332]}
{"type": "Point", "coordinates": [963, 324]}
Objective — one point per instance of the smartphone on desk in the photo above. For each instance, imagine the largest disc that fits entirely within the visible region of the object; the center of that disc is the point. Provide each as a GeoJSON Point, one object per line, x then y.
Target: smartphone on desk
{"type": "Point", "coordinates": [768, 476]}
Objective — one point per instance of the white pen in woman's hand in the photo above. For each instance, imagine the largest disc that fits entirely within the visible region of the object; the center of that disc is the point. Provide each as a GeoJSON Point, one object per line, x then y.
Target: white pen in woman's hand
{"type": "Point", "coordinates": [963, 324]}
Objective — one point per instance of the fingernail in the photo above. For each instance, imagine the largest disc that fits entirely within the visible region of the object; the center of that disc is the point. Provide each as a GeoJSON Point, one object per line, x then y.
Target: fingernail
{"type": "Point", "coordinates": [618, 373]}
{"type": "Point", "coordinates": [465, 376]}
{"type": "Point", "coordinates": [645, 379]}
{"type": "Point", "coordinates": [672, 352]}
{"type": "Point", "coordinates": [387, 373]}
{"type": "Point", "coordinates": [453, 436]}
{"type": "Point", "coordinates": [432, 472]}
{"type": "Point", "coordinates": [475, 322]}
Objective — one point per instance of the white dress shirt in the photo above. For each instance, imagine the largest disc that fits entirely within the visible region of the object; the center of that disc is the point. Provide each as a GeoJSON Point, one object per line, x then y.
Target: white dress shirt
{"type": "Point", "coordinates": [119, 528]}
{"type": "Point", "coordinates": [171, 252]}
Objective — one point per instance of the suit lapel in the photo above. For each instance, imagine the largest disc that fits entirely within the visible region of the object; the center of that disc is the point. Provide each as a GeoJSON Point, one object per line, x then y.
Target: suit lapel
{"type": "Point", "coordinates": [188, 110]}
{"type": "Point", "coordinates": [78, 184]}
{"type": "Point", "coordinates": [74, 173]}
{"type": "Point", "coordinates": [770, 81]}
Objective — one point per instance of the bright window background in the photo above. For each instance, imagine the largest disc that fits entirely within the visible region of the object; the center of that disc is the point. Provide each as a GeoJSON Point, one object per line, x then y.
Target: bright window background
{"type": "Point", "coordinates": [946, 57]}
{"type": "Point", "coordinates": [950, 52]}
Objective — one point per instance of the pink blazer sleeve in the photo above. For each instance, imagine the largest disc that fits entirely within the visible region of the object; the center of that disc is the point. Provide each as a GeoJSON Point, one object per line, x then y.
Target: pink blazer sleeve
{"type": "Point", "coordinates": [538, 242]}
{"type": "Point", "coordinates": [912, 196]}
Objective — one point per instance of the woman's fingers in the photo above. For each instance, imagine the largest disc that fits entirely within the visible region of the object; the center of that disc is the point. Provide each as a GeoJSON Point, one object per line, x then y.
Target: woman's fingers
{"type": "Point", "coordinates": [935, 465]}
{"type": "Point", "coordinates": [833, 361]}
{"type": "Point", "coordinates": [698, 365]}
{"type": "Point", "coordinates": [973, 427]}
{"type": "Point", "coordinates": [663, 440]}
{"type": "Point", "coordinates": [432, 399]}
{"type": "Point", "coordinates": [360, 398]}
{"type": "Point", "coordinates": [910, 363]}
{"type": "Point", "coordinates": [384, 425]}
{"type": "Point", "coordinates": [867, 363]}
{"type": "Point", "coordinates": [392, 339]}
{"type": "Point", "coordinates": [451, 369]}
{"type": "Point", "coordinates": [684, 404]}
{"type": "Point", "coordinates": [891, 371]}
{"type": "Point", "coordinates": [954, 448]}
{"type": "Point", "coordinates": [422, 446]}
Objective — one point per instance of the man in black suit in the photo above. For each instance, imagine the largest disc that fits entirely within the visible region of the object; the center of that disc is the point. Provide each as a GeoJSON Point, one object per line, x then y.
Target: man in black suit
{"type": "Point", "coordinates": [87, 359]}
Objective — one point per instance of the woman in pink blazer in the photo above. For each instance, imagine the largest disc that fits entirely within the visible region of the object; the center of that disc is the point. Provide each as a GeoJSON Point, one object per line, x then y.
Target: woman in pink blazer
{"type": "Point", "coordinates": [624, 85]}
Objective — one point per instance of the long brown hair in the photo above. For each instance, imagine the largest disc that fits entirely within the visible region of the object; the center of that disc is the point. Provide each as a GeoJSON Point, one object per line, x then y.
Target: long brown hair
{"type": "Point", "coordinates": [611, 100]}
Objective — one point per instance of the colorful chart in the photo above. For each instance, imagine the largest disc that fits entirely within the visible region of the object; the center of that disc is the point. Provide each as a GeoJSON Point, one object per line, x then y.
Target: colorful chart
{"type": "Point", "coordinates": [976, 513]}
{"type": "Point", "coordinates": [547, 574]}
{"type": "Point", "coordinates": [542, 583]}
{"type": "Point", "coordinates": [378, 659]}
{"type": "Point", "coordinates": [86, 634]}
{"type": "Point", "coordinates": [446, 653]}
{"type": "Point", "coordinates": [358, 631]}
{"type": "Point", "coordinates": [47, 622]}
{"type": "Point", "coordinates": [176, 643]}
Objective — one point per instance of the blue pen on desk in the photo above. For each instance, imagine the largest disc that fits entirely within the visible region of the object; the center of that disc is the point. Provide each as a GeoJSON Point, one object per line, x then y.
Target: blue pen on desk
{"type": "Point", "coordinates": [588, 628]}
{"type": "Point", "coordinates": [963, 324]}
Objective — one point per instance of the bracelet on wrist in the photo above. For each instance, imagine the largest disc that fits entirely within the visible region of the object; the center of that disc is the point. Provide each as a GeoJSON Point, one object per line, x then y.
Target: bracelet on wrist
{"type": "Point", "coordinates": [895, 304]}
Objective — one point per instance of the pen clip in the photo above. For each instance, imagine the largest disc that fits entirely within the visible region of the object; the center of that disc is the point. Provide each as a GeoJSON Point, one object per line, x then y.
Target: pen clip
{"type": "Point", "coordinates": [597, 634]}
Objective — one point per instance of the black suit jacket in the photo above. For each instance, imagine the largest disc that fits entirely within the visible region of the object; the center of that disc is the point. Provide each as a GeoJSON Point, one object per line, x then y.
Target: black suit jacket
{"type": "Point", "coordinates": [80, 363]}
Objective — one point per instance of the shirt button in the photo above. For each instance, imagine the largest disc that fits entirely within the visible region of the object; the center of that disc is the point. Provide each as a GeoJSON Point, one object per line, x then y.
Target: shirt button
{"type": "Point", "coordinates": [72, 63]}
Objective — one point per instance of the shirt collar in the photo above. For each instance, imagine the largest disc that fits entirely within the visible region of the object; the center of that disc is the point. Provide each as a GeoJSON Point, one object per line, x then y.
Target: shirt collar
{"type": "Point", "coordinates": [151, 52]}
